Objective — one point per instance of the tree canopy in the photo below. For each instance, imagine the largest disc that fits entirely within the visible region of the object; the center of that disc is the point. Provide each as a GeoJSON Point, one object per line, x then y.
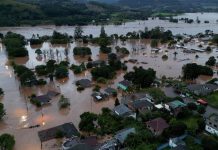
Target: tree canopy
{"type": "Point", "coordinates": [141, 77]}
{"type": "Point", "coordinates": [7, 142]}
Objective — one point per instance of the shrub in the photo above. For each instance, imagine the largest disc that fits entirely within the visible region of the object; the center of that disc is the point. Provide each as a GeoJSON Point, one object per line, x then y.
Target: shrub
{"type": "Point", "coordinates": [82, 51]}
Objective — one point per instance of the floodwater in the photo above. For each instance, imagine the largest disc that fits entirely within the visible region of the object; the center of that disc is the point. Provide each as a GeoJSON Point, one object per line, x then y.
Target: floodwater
{"type": "Point", "coordinates": [22, 114]}
{"type": "Point", "coordinates": [176, 28]}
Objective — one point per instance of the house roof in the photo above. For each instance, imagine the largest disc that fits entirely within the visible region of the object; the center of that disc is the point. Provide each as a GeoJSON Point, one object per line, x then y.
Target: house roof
{"type": "Point", "coordinates": [42, 99]}
{"type": "Point", "coordinates": [213, 117]}
{"type": "Point", "coordinates": [122, 134]}
{"type": "Point", "coordinates": [125, 83]}
{"type": "Point", "coordinates": [98, 96]}
{"type": "Point", "coordinates": [202, 89]}
{"type": "Point", "coordinates": [68, 129]}
{"type": "Point", "coordinates": [176, 104]}
{"type": "Point", "coordinates": [91, 141]}
{"type": "Point", "coordinates": [52, 94]}
{"type": "Point", "coordinates": [122, 110]}
{"type": "Point", "coordinates": [110, 90]}
{"type": "Point", "coordinates": [158, 124]}
{"type": "Point", "coordinates": [84, 83]}
{"type": "Point", "coordinates": [140, 104]}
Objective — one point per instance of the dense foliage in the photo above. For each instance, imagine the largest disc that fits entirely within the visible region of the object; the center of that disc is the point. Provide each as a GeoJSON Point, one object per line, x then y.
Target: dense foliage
{"type": "Point", "coordinates": [59, 38]}
{"type": "Point", "coordinates": [105, 71]}
{"type": "Point", "coordinates": [82, 51]}
{"type": "Point", "coordinates": [2, 111]}
{"type": "Point", "coordinates": [192, 71]}
{"type": "Point", "coordinates": [15, 45]}
{"type": "Point", "coordinates": [7, 142]}
{"type": "Point", "coordinates": [141, 77]}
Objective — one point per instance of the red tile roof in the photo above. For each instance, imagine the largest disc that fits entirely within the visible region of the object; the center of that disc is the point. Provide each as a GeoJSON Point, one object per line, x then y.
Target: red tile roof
{"type": "Point", "coordinates": [158, 124]}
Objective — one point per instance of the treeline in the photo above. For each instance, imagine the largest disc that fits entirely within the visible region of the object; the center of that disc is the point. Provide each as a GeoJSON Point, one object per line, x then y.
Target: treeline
{"type": "Point", "coordinates": [172, 6]}
{"type": "Point", "coordinates": [58, 12]}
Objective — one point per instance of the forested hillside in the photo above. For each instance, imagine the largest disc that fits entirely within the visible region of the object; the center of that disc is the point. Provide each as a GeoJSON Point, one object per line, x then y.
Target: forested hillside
{"type": "Point", "coordinates": [173, 5]}
{"type": "Point", "coordinates": [83, 12]}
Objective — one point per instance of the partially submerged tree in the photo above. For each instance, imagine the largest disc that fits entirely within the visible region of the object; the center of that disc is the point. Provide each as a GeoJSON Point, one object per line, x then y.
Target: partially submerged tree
{"type": "Point", "coordinates": [7, 142]}
{"type": "Point", "coordinates": [63, 102]}
{"type": "Point", "coordinates": [2, 111]}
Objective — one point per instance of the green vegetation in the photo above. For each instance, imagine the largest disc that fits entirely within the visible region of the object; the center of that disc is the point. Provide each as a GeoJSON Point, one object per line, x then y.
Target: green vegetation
{"type": "Point", "coordinates": [122, 50]}
{"type": "Point", "coordinates": [82, 51]}
{"type": "Point", "coordinates": [61, 72]}
{"type": "Point", "coordinates": [58, 38]}
{"type": "Point", "coordinates": [2, 111]}
{"type": "Point", "coordinates": [215, 39]}
{"type": "Point", "coordinates": [41, 70]}
{"type": "Point", "coordinates": [192, 71]}
{"type": "Point", "coordinates": [7, 142]}
{"type": "Point", "coordinates": [78, 68]}
{"type": "Point", "coordinates": [141, 77]}
{"type": "Point", "coordinates": [212, 99]}
{"type": "Point", "coordinates": [15, 45]}
{"type": "Point", "coordinates": [87, 122]}
{"type": "Point", "coordinates": [26, 76]}
{"type": "Point", "coordinates": [78, 32]}
{"type": "Point", "coordinates": [34, 101]}
{"type": "Point", "coordinates": [63, 102]}
{"type": "Point", "coordinates": [211, 61]}
{"type": "Point", "coordinates": [154, 43]}
{"type": "Point", "coordinates": [1, 92]}
{"type": "Point", "coordinates": [209, 142]}
{"type": "Point", "coordinates": [103, 71]}
{"type": "Point", "coordinates": [22, 12]}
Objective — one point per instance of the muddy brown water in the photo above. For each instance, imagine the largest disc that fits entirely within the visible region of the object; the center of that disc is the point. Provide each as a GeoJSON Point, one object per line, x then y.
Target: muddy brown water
{"type": "Point", "coordinates": [21, 113]}
{"type": "Point", "coordinates": [176, 28]}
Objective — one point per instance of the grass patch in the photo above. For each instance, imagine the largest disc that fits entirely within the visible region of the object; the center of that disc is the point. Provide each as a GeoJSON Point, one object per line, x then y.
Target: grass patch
{"type": "Point", "coordinates": [213, 99]}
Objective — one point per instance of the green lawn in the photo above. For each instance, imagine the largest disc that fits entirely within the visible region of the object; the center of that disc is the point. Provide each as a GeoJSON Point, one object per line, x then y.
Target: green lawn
{"type": "Point", "coordinates": [213, 100]}
{"type": "Point", "coordinates": [191, 122]}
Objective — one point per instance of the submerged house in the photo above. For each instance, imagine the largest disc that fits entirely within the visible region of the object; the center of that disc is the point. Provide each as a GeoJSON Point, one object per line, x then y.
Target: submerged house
{"type": "Point", "coordinates": [98, 96]}
{"type": "Point", "coordinates": [85, 83]}
{"type": "Point", "coordinates": [110, 91]}
{"type": "Point", "coordinates": [124, 85]}
{"type": "Point", "coordinates": [42, 99]}
{"type": "Point", "coordinates": [67, 129]}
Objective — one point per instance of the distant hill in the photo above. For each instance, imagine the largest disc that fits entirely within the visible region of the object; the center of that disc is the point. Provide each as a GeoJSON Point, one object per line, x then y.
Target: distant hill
{"type": "Point", "coordinates": [182, 5]}
{"type": "Point", "coordinates": [106, 1]}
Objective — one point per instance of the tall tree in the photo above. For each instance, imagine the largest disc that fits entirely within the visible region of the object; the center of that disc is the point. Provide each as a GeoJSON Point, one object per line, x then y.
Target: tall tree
{"type": "Point", "coordinates": [78, 32]}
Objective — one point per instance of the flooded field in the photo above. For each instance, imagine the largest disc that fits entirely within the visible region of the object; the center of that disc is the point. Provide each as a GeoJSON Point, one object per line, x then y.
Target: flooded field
{"type": "Point", "coordinates": [21, 113]}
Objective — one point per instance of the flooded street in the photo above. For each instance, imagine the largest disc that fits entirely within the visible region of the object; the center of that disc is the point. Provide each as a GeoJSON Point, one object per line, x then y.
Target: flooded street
{"type": "Point", "coordinates": [22, 114]}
